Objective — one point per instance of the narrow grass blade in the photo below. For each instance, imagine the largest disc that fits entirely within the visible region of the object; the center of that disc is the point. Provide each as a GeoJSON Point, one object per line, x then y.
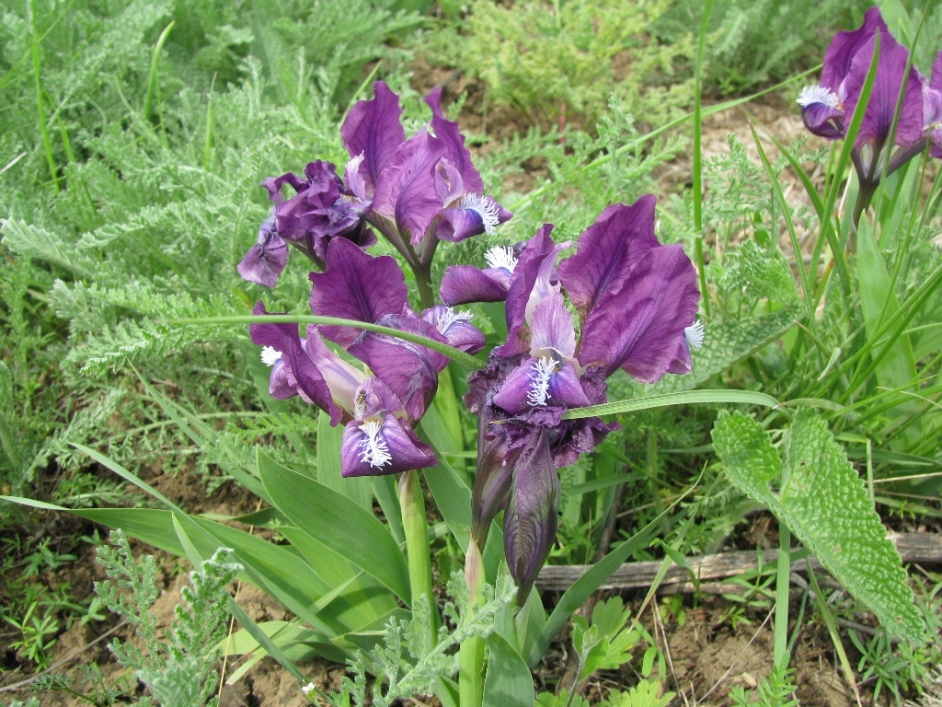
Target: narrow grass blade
{"type": "Point", "coordinates": [690, 397]}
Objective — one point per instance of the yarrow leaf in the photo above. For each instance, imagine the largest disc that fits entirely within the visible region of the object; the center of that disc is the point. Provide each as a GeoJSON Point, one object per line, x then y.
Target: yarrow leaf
{"type": "Point", "coordinates": [825, 504]}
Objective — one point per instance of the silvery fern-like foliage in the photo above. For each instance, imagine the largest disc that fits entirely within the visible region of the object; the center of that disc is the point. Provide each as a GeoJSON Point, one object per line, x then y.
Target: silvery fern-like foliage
{"type": "Point", "coordinates": [405, 663]}
{"type": "Point", "coordinates": [179, 671]}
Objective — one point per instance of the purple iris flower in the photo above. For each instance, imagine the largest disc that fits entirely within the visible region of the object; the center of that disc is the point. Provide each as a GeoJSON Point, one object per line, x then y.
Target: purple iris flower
{"type": "Point", "coordinates": [635, 300]}
{"type": "Point", "coordinates": [419, 190]}
{"type": "Point", "coordinates": [827, 108]}
{"type": "Point", "coordinates": [382, 404]}
{"type": "Point", "coordinates": [380, 439]}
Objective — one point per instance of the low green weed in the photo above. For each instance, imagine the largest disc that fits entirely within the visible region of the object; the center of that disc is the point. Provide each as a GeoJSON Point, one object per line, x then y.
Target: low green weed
{"type": "Point", "coordinates": [564, 59]}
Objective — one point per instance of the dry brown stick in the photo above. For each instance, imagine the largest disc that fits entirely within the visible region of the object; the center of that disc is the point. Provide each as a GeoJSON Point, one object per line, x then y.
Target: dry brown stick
{"type": "Point", "coordinates": [912, 547]}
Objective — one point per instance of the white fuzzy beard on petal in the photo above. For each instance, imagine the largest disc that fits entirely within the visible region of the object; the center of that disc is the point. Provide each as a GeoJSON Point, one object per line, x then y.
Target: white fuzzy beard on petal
{"type": "Point", "coordinates": [450, 317]}
{"type": "Point", "coordinates": [694, 334]}
{"type": "Point", "coordinates": [542, 371]}
{"type": "Point", "coordinates": [484, 207]}
{"type": "Point", "coordinates": [501, 257]}
{"type": "Point", "coordinates": [270, 356]}
{"type": "Point", "coordinates": [374, 450]}
{"type": "Point", "coordinates": [817, 94]}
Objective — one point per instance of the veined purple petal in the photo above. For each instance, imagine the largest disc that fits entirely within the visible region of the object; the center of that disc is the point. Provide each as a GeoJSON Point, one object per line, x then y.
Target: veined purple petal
{"type": "Point", "coordinates": [463, 284]}
{"type": "Point", "coordinates": [845, 46]}
{"type": "Point", "coordinates": [300, 371]}
{"type": "Point", "coordinates": [456, 327]}
{"type": "Point", "coordinates": [343, 379]}
{"type": "Point", "coordinates": [551, 328]}
{"type": "Point", "coordinates": [890, 77]}
{"type": "Point", "coordinates": [314, 197]}
{"type": "Point", "coordinates": [406, 190]}
{"type": "Point", "coordinates": [382, 445]}
{"type": "Point", "coordinates": [356, 285]}
{"type": "Point", "coordinates": [373, 129]}
{"type": "Point", "coordinates": [638, 327]}
{"type": "Point", "coordinates": [449, 184]}
{"type": "Point", "coordinates": [471, 216]}
{"type": "Point", "coordinates": [267, 258]}
{"type": "Point", "coordinates": [542, 381]}
{"type": "Point", "coordinates": [410, 371]}
{"type": "Point", "coordinates": [530, 521]}
{"type": "Point", "coordinates": [281, 385]}
{"type": "Point", "coordinates": [607, 251]}
{"type": "Point", "coordinates": [692, 339]}
{"type": "Point", "coordinates": [530, 275]}
{"type": "Point", "coordinates": [577, 437]}
{"type": "Point", "coordinates": [447, 131]}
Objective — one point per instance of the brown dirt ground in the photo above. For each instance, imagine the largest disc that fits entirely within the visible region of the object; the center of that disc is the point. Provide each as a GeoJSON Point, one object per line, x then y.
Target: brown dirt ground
{"type": "Point", "coordinates": [707, 654]}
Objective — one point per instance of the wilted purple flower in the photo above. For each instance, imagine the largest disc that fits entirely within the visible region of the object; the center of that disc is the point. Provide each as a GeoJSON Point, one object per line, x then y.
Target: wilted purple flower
{"type": "Point", "coordinates": [635, 300]}
{"type": "Point", "coordinates": [828, 107]}
{"type": "Point", "coordinates": [267, 258]}
{"type": "Point", "coordinates": [321, 209]}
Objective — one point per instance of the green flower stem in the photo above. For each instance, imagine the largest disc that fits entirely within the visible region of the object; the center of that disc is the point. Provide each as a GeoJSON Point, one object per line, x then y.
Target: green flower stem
{"type": "Point", "coordinates": [781, 596]}
{"type": "Point", "coordinates": [415, 526]}
{"type": "Point", "coordinates": [471, 652]}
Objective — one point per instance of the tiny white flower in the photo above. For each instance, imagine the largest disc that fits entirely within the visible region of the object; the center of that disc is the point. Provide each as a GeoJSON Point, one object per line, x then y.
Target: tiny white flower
{"type": "Point", "coordinates": [308, 689]}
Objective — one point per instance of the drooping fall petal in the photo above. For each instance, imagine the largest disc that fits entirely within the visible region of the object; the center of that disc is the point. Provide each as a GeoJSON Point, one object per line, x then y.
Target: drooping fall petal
{"type": "Point", "coordinates": [356, 285]}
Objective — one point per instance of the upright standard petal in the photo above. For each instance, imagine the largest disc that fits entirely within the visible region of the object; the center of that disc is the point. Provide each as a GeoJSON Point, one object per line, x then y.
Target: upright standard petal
{"type": "Point", "coordinates": [890, 78]}
{"type": "Point", "coordinates": [406, 192]}
{"type": "Point", "coordinates": [300, 371]}
{"type": "Point", "coordinates": [530, 521]}
{"type": "Point", "coordinates": [343, 379]}
{"type": "Point", "coordinates": [356, 285]}
{"type": "Point", "coordinates": [845, 46]}
{"type": "Point", "coordinates": [607, 251]}
{"type": "Point", "coordinates": [531, 280]}
{"type": "Point", "coordinates": [267, 258]}
{"type": "Point", "coordinates": [449, 134]}
{"type": "Point", "coordinates": [638, 327]}
{"type": "Point", "coordinates": [373, 129]}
